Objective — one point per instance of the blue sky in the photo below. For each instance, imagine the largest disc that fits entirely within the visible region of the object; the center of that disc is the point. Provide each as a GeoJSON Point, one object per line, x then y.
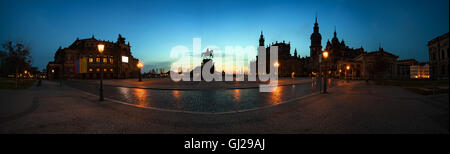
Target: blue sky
{"type": "Point", "coordinates": [403, 27]}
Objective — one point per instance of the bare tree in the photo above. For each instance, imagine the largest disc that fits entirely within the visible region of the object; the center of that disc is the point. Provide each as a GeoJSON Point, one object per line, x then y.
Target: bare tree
{"type": "Point", "coordinates": [18, 58]}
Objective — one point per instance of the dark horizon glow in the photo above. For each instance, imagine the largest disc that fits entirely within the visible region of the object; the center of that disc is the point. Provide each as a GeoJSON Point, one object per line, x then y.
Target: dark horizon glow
{"type": "Point", "coordinates": [402, 27]}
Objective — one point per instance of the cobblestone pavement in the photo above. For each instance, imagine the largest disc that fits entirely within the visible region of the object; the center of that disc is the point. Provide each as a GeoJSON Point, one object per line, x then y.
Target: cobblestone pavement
{"type": "Point", "coordinates": [349, 108]}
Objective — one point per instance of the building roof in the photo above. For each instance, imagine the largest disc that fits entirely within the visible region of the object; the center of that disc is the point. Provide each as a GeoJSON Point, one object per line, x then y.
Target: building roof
{"type": "Point", "coordinates": [377, 53]}
{"type": "Point", "coordinates": [438, 38]}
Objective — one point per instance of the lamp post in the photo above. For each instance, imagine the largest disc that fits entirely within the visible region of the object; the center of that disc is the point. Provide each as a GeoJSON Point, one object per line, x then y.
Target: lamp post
{"type": "Point", "coordinates": [276, 65]}
{"type": "Point", "coordinates": [346, 69]}
{"type": "Point", "coordinates": [101, 48]}
{"type": "Point", "coordinates": [140, 65]}
{"type": "Point", "coordinates": [325, 57]}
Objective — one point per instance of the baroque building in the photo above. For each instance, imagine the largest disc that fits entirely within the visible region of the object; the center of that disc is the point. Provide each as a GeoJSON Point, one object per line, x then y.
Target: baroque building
{"type": "Point", "coordinates": [438, 54]}
{"type": "Point", "coordinates": [315, 48]}
{"type": "Point", "coordinates": [404, 68]}
{"type": "Point", "coordinates": [375, 65]}
{"type": "Point", "coordinates": [288, 65]}
{"type": "Point", "coordinates": [339, 51]}
{"type": "Point", "coordinates": [81, 60]}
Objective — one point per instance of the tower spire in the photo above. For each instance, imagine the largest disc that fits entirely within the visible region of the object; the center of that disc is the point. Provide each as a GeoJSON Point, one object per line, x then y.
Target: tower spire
{"type": "Point", "coordinates": [261, 39]}
{"type": "Point", "coordinates": [316, 16]}
{"type": "Point", "coordinates": [335, 34]}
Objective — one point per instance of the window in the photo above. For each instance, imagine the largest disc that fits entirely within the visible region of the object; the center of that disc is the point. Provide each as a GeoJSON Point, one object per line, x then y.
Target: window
{"type": "Point", "coordinates": [97, 59]}
{"type": "Point", "coordinates": [111, 69]}
{"type": "Point", "coordinates": [105, 60]}
{"type": "Point", "coordinates": [125, 59]}
{"type": "Point", "coordinates": [442, 54]}
{"type": "Point", "coordinates": [97, 69]}
{"type": "Point", "coordinates": [104, 70]}
{"type": "Point", "coordinates": [111, 60]}
{"type": "Point", "coordinates": [91, 60]}
{"type": "Point", "coordinates": [90, 69]}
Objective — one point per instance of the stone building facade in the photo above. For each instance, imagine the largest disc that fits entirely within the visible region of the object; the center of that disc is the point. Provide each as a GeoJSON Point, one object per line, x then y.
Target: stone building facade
{"type": "Point", "coordinates": [315, 49]}
{"type": "Point", "coordinates": [288, 64]}
{"type": "Point", "coordinates": [338, 51]}
{"type": "Point", "coordinates": [404, 68]}
{"type": "Point", "coordinates": [377, 65]}
{"type": "Point", "coordinates": [82, 60]}
{"type": "Point", "coordinates": [438, 54]}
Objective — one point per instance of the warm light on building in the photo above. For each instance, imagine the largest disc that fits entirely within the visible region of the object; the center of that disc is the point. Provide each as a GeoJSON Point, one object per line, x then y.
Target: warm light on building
{"type": "Point", "coordinates": [101, 48]}
{"type": "Point", "coordinates": [420, 71]}
{"type": "Point", "coordinates": [348, 67]}
{"type": "Point", "coordinates": [325, 54]}
{"type": "Point", "coordinates": [125, 59]}
{"type": "Point", "coordinates": [276, 64]}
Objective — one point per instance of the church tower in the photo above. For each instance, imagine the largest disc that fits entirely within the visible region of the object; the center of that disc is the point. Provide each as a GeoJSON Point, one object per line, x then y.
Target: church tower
{"type": "Point", "coordinates": [261, 39]}
{"type": "Point", "coordinates": [316, 47]}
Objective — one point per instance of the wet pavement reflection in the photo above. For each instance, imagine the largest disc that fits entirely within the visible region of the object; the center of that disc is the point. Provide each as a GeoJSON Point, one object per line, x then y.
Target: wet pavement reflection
{"type": "Point", "coordinates": [210, 100]}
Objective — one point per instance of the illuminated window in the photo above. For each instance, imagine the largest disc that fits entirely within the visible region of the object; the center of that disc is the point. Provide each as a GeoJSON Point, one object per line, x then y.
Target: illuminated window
{"type": "Point", "coordinates": [104, 70]}
{"type": "Point", "coordinates": [111, 60]}
{"type": "Point", "coordinates": [125, 59]}
{"type": "Point", "coordinates": [90, 69]}
{"type": "Point", "coordinates": [111, 69]}
{"type": "Point", "coordinates": [91, 60]}
{"type": "Point", "coordinates": [98, 69]}
{"type": "Point", "coordinates": [105, 60]}
{"type": "Point", "coordinates": [97, 59]}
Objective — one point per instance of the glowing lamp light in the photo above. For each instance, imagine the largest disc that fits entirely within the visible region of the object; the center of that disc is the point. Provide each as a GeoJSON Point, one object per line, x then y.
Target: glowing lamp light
{"type": "Point", "coordinates": [101, 48]}
{"type": "Point", "coordinates": [348, 67]}
{"type": "Point", "coordinates": [25, 71]}
{"type": "Point", "coordinates": [140, 65]}
{"type": "Point", "coordinates": [325, 54]}
{"type": "Point", "coordinates": [276, 64]}
{"type": "Point", "coordinates": [53, 71]}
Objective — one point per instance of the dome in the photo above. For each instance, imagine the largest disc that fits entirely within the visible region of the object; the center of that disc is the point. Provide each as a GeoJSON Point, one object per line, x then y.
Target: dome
{"type": "Point", "coordinates": [316, 36]}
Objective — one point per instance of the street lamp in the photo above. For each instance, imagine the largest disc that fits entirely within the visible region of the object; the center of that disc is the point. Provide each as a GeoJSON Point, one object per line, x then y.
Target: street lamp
{"type": "Point", "coordinates": [276, 64]}
{"type": "Point", "coordinates": [140, 65]}
{"type": "Point", "coordinates": [346, 69]}
{"type": "Point", "coordinates": [325, 57]}
{"type": "Point", "coordinates": [101, 48]}
{"type": "Point", "coordinates": [325, 54]}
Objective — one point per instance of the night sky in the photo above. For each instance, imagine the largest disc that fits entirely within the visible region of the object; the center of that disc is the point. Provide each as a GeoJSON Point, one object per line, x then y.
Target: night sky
{"type": "Point", "coordinates": [402, 27]}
